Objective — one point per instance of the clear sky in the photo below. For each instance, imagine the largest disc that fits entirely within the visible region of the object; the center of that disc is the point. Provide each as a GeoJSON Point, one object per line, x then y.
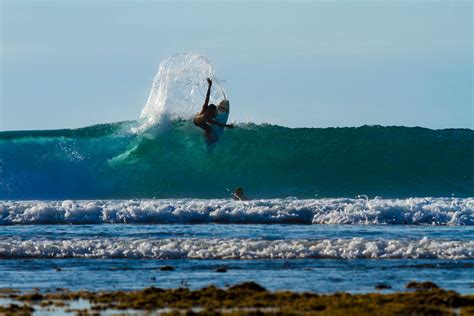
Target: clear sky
{"type": "Point", "coordinates": [309, 63]}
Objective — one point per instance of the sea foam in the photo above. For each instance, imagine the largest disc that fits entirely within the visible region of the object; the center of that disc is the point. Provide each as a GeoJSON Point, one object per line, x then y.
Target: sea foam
{"type": "Point", "coordinates": [173, 248]}
{"type": "Point", "coordinates": [411, 211]}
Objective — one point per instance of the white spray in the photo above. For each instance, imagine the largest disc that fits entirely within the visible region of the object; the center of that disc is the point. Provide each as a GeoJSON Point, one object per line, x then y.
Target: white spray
{"type": "Point", "coordinates": [178, 90]}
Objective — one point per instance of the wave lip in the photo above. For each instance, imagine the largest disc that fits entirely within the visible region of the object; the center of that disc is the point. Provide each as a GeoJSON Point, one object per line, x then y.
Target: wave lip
{"type": "Point", "coordinates": [412, 211]}
{"type": "Point", "coordinates": [355, 248]}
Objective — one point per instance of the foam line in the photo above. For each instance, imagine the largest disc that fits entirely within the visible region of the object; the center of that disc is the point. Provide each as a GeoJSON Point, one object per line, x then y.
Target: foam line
{"type": "Point", "coordinates": [412, 211]}
{"type": "Point", "coordinates": [355, 248]}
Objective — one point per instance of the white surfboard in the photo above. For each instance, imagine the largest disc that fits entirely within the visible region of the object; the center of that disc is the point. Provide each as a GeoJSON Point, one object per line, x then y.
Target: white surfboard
{"type": "Point", "coordinates": [222, 116]}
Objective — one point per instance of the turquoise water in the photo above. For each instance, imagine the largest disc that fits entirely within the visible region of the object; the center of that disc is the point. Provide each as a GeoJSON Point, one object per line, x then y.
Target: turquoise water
{"type": "Point", "coordinates": [110, 161]}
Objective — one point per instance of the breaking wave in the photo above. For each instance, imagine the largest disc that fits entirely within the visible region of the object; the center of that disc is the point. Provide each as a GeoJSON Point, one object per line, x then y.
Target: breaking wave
{"type": "Point", "coordinates": [412, 211]}
{"type": "Point", "coordinates": [108, 161]}
{"type": "Point", "coordinates": [355, 248]}
{"type": "Point", "coordinates": [162, 154]}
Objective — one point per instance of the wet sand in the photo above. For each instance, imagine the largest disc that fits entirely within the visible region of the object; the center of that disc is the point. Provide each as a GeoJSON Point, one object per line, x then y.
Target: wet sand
{"type": "Point", "coordinates": [241, 299]}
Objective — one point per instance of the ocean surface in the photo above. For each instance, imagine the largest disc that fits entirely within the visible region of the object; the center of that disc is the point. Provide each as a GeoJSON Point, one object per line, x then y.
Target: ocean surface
{"type": "Point", "coordinates": [317, 257]}
{"type": "Point", "coordinates": [332, 209]}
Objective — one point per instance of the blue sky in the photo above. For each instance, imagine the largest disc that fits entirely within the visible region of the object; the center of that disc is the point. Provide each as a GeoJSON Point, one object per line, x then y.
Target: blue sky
{"type": "Point", "coordinates": [295, 63]}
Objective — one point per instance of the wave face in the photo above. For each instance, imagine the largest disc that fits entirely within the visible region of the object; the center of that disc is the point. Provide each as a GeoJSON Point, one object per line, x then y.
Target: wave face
{"type": "Point", "coordinates": [175, 248]}
{"type": "Point", "coordinates": [110, 161]}
{"type": "Point", "coordinates": [413, 211]}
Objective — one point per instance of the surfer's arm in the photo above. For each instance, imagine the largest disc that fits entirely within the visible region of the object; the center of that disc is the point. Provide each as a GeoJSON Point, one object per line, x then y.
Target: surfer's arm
{"type": "Point", "coordinates": [208, 94]}
{"type": "Point", "coordinates": [213, 122]}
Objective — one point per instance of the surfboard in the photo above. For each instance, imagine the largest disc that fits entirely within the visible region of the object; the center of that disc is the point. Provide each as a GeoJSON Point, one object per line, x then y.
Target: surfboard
{"type": "Point", "coordinates": [222, 116]}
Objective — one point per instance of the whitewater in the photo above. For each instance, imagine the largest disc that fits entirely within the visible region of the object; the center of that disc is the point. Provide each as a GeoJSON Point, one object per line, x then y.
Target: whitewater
{"type": "Point", "coordinates": [105, 206]}
{"type": "Point", "coordinates": [413, 211]}
{"type": "Point", "coordinates": [355, 248]}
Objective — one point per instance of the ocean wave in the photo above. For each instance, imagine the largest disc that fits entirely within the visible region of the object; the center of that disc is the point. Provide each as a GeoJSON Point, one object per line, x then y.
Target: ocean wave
{"type": "Point", "coordinates": [355, 248]}
{"type": "Point", "coordinates": [411, 211]}
{"type": "Point", "coordinates": [163, 155]}
{"type": "Point", "coordinates": [109, 161]}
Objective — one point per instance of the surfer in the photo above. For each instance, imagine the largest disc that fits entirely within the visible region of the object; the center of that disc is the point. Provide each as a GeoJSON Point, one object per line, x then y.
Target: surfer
{"type": "Point", "coordinates": [207, 115]}
{"type": "Point", "coordinates": [239, 194]}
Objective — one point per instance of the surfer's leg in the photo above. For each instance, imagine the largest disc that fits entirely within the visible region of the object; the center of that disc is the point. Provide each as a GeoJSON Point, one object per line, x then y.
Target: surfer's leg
{"type": "Point", "coordinates": [203, 125]}
{"type": "Point", "coordinates": [206, 127]}
{"type": "Point", "coordinates": [208, 132]}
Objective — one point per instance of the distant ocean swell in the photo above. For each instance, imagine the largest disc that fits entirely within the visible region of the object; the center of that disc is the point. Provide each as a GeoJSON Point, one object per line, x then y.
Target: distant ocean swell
{"type": "Point", "coordinates": [112, 162]}
{"type": "Point", "coordinates": [411, 211]}
{"type": "Point", "coordinates": [352, 248]}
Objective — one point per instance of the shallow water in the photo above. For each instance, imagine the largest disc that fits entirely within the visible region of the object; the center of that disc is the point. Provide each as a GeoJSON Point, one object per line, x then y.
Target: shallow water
{"type": "Point", "coordinates": [320, 258]}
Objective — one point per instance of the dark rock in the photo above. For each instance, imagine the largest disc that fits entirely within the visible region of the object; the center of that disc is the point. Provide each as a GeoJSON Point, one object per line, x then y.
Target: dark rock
{"type": "Point", "coordinates": [221, 269]}
{"type": "Point", "coordinates": [421, 285]}
{"type": "Point", "coordinates": [152, 290]}
{"type": "Point", "coordinates": [36, 297]}
{"type": "Point", "coordinates": [166, 268]}
{"type": "Point", "coordinates": [382, 286]}
{"type": "Point", "coordinates": [248, 286]}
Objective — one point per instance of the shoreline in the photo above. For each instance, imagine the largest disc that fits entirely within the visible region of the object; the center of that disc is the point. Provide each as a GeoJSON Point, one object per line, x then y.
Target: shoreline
{"type": "Point", "coordinates": [424, 298]}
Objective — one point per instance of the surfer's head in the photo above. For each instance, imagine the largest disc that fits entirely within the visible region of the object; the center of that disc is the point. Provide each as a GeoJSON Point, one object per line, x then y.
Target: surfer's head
{"type": "Point", "coordinates": [239, 191]}
{"type": "Point", "coordinates": [213, 109]}
{"type": "Point", "coordinates": [239, 194]}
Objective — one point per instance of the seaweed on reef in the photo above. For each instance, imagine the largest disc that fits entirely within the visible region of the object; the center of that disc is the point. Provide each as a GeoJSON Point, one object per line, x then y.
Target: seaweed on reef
{"type": "Point", "coordinates": [250, 298]}
{"type": "Point", "coordinates": [15, 309]}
